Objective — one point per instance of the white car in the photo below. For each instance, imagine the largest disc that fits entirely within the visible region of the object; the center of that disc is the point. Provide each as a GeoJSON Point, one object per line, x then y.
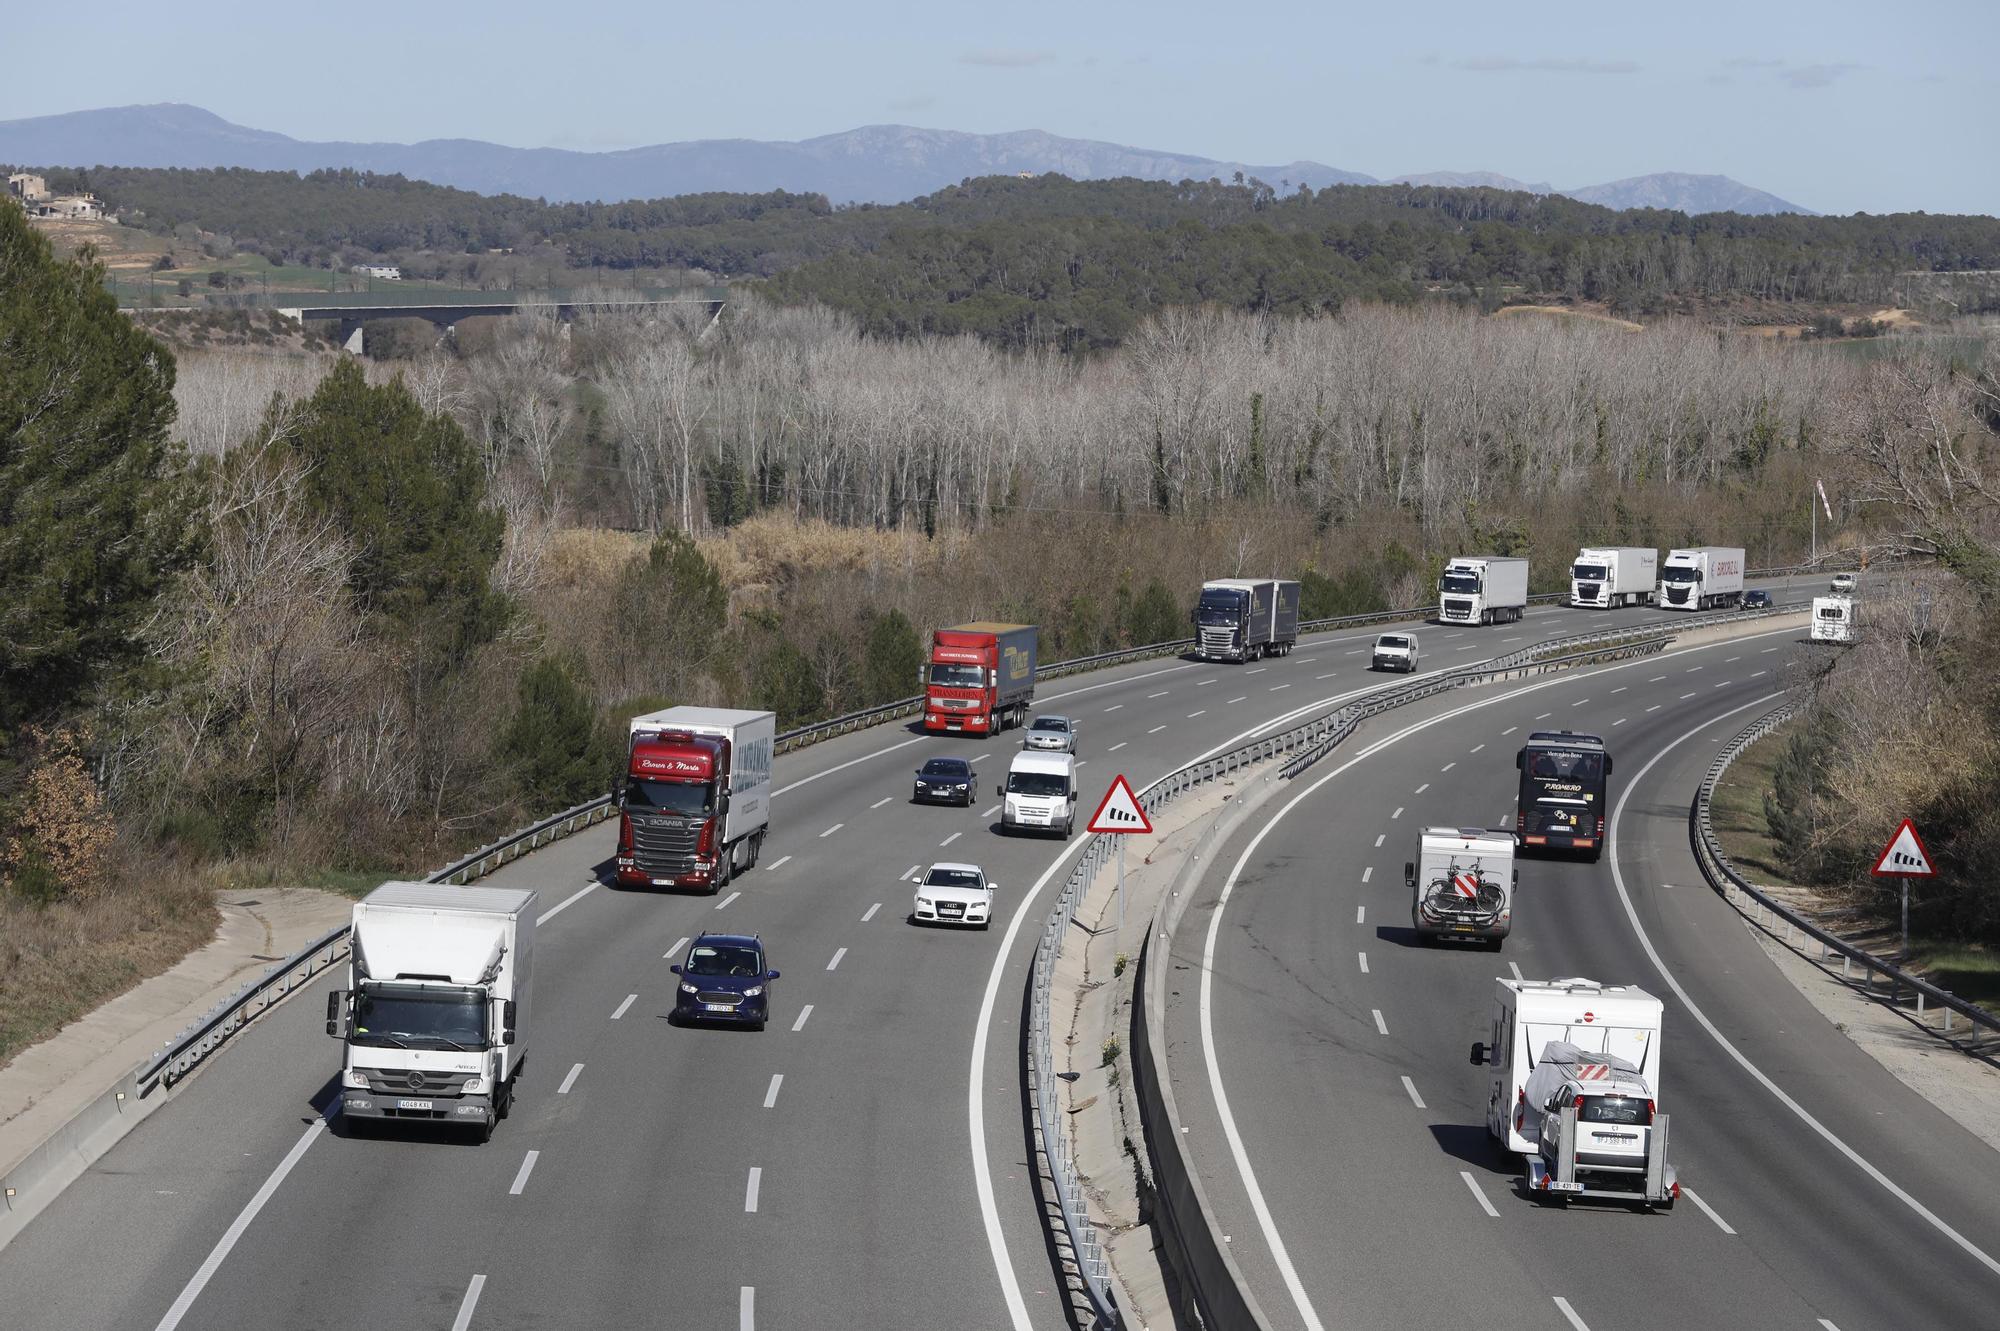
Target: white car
{"type": "Point", "coordinates": [1054, 733]}
{"type": "Point", "coordinates": [954, 894]}
{"type": "Point", "coordinates": [1844, 584]}
{"type": "Point", "coordinates": [1395, 651]}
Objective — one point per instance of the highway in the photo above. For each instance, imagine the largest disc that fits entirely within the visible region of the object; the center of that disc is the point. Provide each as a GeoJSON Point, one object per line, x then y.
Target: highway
{"type": "Point", "coordinates": [863, 1162]}
{"type": "Point", "coordinates": [1353, 1170]}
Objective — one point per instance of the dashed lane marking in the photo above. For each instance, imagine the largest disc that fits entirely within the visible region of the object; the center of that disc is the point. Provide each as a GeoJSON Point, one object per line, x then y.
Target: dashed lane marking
{"type": "Point", "coordinates": [774, 864]}
{"type": "Point", "coordinates": [668, 955]}
{"type": "Point", "coordinates": [1380, 1025]}
{"type": "Point", "coordinates": [465, 1305]}
{"type": "Point", "coordinates": [750, 1190]}
{"type": "Point", "coordinates": [570, 1080]}
{"type": "Point", "coordinates": [869, 914]}
{"type": "Point", "coordinates": [1707, 1210]}
{"type": "Point", "coordinates": [1478, 1194]}
{"type": "Point", "coordinates": [836, 958]}
{"type": "Point", "coordinates": [726, 900]}
{"type": "Point", "coordinates": [1415, 1099]}
{"type": "Point", "coordinates": [831, 830]}
{"type": "Point", "coordinates": [625, 1006]}
{"type": "Point", "coordinates": [804, 1012]}
{"type": "Point", "coordinates": [1562, 1306]}
{"type": "Point", "coordinates": [771, 1095]}
{"type": "Point", "coordinates": [1364, 961]}
{"type": "Point", "coordinates": [521, 1175]}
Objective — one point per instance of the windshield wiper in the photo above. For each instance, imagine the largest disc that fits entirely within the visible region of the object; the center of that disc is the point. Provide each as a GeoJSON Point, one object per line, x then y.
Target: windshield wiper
{"type": "Point", "coordinates": [445, 1039]}
{"type": "Point", "coordinates": [374, 1036]}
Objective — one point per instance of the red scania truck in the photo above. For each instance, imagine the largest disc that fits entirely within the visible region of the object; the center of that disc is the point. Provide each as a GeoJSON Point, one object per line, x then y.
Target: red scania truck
{"type": "Point", "coordinates": [696, 797]}
{"type": "Point", "coordinates": [980, 679]}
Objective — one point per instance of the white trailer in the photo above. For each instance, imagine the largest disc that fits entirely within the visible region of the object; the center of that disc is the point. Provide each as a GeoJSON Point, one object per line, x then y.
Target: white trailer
{"type": "Point", "coordinates": [434, 1020]}
{"type": "Point", "coordinates": [1483, 589]}
{"type": "Point", "coordinates": [1702, 577]}
{"type": "Point", "coordinates": [1462, 884]}
{"type": "Point", "coordinates": [1607, 576]}
{"type": "Point", "coordinates": [1834, 619]}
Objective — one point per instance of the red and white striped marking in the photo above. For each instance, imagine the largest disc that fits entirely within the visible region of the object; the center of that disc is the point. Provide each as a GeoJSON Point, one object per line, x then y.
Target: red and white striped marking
{"type": "Point", "coordinates": [1467, 884]}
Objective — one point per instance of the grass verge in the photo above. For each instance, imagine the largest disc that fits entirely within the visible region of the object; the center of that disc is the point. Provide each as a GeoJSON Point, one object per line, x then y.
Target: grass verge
{"type": "Point", "coordinates": [1737, 812]}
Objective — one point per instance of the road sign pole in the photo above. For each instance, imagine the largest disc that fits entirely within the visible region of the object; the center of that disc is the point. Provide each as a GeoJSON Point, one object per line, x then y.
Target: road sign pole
{"type": "Point", "coordinates": [1121, 895]}
{"type": "Point", "coordinates": [1905, 880]}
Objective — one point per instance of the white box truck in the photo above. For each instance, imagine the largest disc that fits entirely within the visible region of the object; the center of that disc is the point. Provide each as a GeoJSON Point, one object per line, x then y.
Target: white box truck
{"type": "Point", "coordinates": [1608, 576]}
{"type": "Point", "coordinates": [1483, 589]}
{"type": "Point", "coordinates": [1702, 577]}
{"type": "Point", "coordinates": [434, 1019]}
{"type": "Point", "coordinates": [695, 799]}
{"type": "Point", "coordinates": [1462, 884]}
{"type": "Point", "coordinates": [1834, 619]}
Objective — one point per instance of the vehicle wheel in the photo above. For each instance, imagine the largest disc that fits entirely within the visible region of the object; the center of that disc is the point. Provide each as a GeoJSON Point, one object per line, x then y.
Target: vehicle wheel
{"type": "Point", "coordinates": [483, 1133]}
{"type": "Point", "coordinates": [503, 1104]}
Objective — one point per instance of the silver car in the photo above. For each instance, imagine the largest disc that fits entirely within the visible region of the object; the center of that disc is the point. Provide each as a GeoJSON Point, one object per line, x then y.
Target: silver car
{"type": "Point", "coordinates": [1054, 733]}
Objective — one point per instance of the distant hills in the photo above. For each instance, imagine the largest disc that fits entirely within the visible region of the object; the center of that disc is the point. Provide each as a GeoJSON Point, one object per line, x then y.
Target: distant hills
{"type": "Point", "coordinates": [873, 164]}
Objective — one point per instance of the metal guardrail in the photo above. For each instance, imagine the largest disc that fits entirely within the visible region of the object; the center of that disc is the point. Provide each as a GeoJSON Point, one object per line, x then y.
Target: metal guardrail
{"type": "Point", "coordinates": [1761, 909]}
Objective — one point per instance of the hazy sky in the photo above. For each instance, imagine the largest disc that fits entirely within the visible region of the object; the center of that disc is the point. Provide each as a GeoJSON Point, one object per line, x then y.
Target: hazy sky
{"type": "Point", "coordinates": [1836, 105]}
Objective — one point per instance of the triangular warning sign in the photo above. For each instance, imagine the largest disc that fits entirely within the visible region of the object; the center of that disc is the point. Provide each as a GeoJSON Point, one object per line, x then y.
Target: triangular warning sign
{"type": "Point", "coordinates": [1905, 855]}
{"type": "Point", "coordinates": [1120, 811]}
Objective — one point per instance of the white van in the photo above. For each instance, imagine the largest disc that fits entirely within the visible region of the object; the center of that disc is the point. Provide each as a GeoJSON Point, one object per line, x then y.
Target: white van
{"type": "Point", "coordinates": [1395, 651]}
{"type": "Point", "coordinates": [1040, 793]}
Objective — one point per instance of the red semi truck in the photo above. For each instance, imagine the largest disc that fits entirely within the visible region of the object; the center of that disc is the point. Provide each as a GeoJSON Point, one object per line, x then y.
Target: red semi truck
{"type": "Point", "coordinates": [696, 798]}
{"type": "Point", "coordinates": [980, 679]}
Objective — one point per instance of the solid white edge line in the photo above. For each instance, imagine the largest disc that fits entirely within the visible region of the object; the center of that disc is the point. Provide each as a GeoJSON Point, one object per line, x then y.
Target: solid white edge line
{"type": "Point", "coordinates": [1707, 1210]}
{"type": "Point", "coordinates": [237, 1227]}
{"type": "Point", "coordinates": [521, 1175]}
{"type": "Point", "coordinates": [746, 1308]}
{"type": "Point", "coordinates": [623, 1007]}
{"type": "Point", "coordinates": [1485, 1204]}
{"type": "Point", "coordinates": [570, 1080]}
{"type": "Point", "coordinates": [564, 905]}
{"type": "Point", "coordinates": [465, 1305]}
{"type": "Point", "coordinates": [800, 1024]}
{"type": "Point", "coordinates": [771, 1096]}
{"type": "Point", "coordinates": [1562, 1306]}
{"type": "Point", "coordinates": [1645, 941]}
{"type": "Point", "coordinates": [750, 1190]}
{"type": "Point", "coordinates": [837, 955]}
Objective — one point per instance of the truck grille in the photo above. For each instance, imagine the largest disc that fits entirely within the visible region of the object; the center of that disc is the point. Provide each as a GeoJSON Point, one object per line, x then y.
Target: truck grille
{"type": "Point", "coordinates": [1586, 591]}
{"type": "Point", "coordinates": [1677, 595]}
{"type": "Point", "coordinates": [664, 847]}
{"type": "Point", "coordinates": [1457, 608]}
{"type": "Point", "coordinates": [434, 1084]}
{"type": "Point", "coordinates": [956, 704]}
{"type": "Point", "coordinates": [1217, 642]}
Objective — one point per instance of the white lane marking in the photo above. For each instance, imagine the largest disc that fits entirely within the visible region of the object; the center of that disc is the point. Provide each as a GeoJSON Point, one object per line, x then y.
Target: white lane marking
{"type": "Point", "coordinates": [1822, 1321]}
{"type": "Point", "coordinates": [1707, 1210]}
{"type": "Point", "coordinates": [1475, 748]}
{"type": "Point", "coordinates": [1258, 671]}
{"type": "Point", "coordinates": [1328, 675]}
{"type": "Point", "coordinates": [1156, 730]}
{"type": "Point", "coordinates": [521, 1176]}
{"type": "Point", "coordinates": [746, 1309]}
{"type": "Point", "coordinates": [1562, 1306]}
{"type": "Point", "coordinates": [1114, 707]}
{"type": "Point", "coordinates": [980, 759]}
{"type": "Point", "coordinates": [1415, 1099]}
{"type": "Point", "coordinates": [1398, 813]}
{"type": "Point", "coordinates": [1361, 914]}
{"type": "Point", "coordinates": [1545, 716]}
{"type": "Point", "coordinates": [623, 1007]}
{"type": "Point", "coordinates": [1447, 767]}
{"type": "Point", "coordinates": [1732, 659]}
{"type": "Point", "coordinates": [1421, 789]}
{"type": "Point", "coordinates": [1378, 839]}
{"type": "Point", "coordinates": [869, 914]}
{"type": "Point", "coordinates": [1655, 707]}
{"type": "Point", "coordinates": [1515, 638]}
{"type": "Point", "coordinates": [1307, 660]}
{"type": "Point", "coordinates": [975, 1100]}
{"type": "Point", "coordinates": [1161, 694]}
{"type": "Point", "coordinates": [1084, 763]}
{"type": "Point", "coordinates": [1767, 649]}
{"type": "Point", "coordinates": [1723, 685]}
{"type": "Point", "coordinates": [1469, 647]}
{"type": "Point", "coordinates": [1619, 722]}
{"type": "Point", "coordinates": [668, 955]}
{"type": "Point", "coordinates": [1515, 967]}
{"type": "Point", "coordinates": [467, 1304]}
{"type": "Point", "coordinates": [831, 830]}
{"type": "Point", "coordinates": [1579, 702]}
{"type": "Point", "coordinates": [563, 905]}
{"type": "Point", "coordinates": [1380, 1024]}
{"type": "Point", "coordinates": [988, 813]}
{"type": "Point", "coordinates": [1192, 715]}
{"type": "Point", "coordinates": [1755, 673]}
{"type": "Point", "coordinates": [1236, 700]}
{"type": "Point", "coordinates": [1620, 689]}
{"type": "Point", "coordinates": [1692, 669]}
{"type": "Point", "coordinates": [841, 767]}
{"type": "Point", "coordinates": [1113, 749]}
{"type": "Point", "coordinates": [1357, 651]}
{"type": "Point", "coordinates": [804, 1012]}
{"type": "Point", "coordinates": [948, 840]}
{"type": "Point", "coordinates": [836, 958]}
{"type": "Point", "coordinates": [1701, 1018]}
{"type": "Point", "coordinates": [237, 1228]}
{"type": "Point", "coordinates": [1367, 873]}
{"type": "Point", "coordinates": [1480, 1195]}
{"type": "Point", "coordinates": [1364, 961]}
{"type": "Point", "coordinates": [879, 803]}
{"type": "Point", "coordinates": [1656, 679]}
{"type": "Point", "coordinates": [750, 1190]}
{"type": "Point", "coordinates": [782, 859]}
{"type": "Point", "coordinates": [1275, 687]}
{"type": "Point", "coordinates": [1200, 682]}
{"type": "Point", "coordinates": [1510, 730]}
{"type": "Point", "coordinates": [570, 1080]}
{"type": "Point", "coordinates": [726, 900]}
{"type": "Point", "coordinates": [910, 874]}
{"type": "Point", "coordinates": [771, 1096]}
{"type": "Point", "coordinates": [1685, 696]}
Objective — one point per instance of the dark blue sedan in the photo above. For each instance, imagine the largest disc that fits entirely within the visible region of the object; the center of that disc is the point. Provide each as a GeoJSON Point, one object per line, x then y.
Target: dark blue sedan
{"type": "Point", "coordinates": [944, 781]}
{"type": "Point", "coordinates": [727, 978]}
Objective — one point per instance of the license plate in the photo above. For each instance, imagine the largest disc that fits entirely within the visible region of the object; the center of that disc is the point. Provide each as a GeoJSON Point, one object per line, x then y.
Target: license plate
{"type": "Point", "coordinates": [1463, 929]}
{"type": "Point", "coordinates": [415, 1104]}
{"type": "Point", "coordinates": [1554, 1186]}
{"type": "Point", "coordinates": [720, 1007]}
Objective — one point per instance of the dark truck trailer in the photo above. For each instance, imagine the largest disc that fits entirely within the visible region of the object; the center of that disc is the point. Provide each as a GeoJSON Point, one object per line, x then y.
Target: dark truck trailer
{"type": "Point", "coordinates": [1243, 619]}
{"type": "Point", "coordinates": [980, 678]}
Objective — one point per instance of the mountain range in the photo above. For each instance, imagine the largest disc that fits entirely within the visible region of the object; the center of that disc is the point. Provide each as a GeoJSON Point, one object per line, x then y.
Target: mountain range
{"type": "Point", "coordinates": [873, 164]}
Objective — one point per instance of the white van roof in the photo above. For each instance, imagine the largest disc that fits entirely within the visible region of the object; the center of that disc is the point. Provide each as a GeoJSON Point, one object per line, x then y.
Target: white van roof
{"type": "Point", "coordinates": [1031, 760]}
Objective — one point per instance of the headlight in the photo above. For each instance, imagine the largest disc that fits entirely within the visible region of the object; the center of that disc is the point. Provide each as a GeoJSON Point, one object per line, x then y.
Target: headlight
{"type": "Point", "coordinates": [923, 903]}
{"type": "Point", "coordinates": [960, 786]}
{"type": "Point", "coordinates": [687, 988]}
{"type": "Point", "coordinates": [356, 1078]}
{"type": "Point", "coordinates": [475, 1086]}
{"type": "Point", "coordinates": [754, 991]}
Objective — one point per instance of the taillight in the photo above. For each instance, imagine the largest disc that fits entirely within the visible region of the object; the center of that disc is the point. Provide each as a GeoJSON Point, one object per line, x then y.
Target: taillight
{"type": "Point", "coordinates": [1600, 825]}
{"type": "Point", "coordinates": [706, 846]}
{"type": "Point", "coordinates": [1577, 1104]}
{"type": "Point", "coordinates": [624, 834]}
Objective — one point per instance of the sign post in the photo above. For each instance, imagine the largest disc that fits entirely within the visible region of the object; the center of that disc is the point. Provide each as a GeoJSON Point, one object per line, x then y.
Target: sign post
{"type": "Point", "coordinates": [1905, 858]}
{"type": "Point", "coordinates": [1120, 815]}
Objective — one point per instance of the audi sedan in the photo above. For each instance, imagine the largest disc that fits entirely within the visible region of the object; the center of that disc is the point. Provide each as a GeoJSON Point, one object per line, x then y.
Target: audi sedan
{"type": "Point", "coordinates": [944, 781]}
{"type": "Point", "coordinates": [954, 894]}
{"type": "Point", "coordinates": [727, 978]}
{"type": "Point", "coordinates": [1056, 733]}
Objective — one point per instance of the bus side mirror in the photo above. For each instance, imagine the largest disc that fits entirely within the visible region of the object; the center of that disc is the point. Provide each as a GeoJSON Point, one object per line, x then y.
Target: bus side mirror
{"type": "Point", "coordinates": [1517, 761]}
{"type": "Point", "coordinates": [507, 1010]}
{"type": "Point", "coordinates": [1478, 1053]}
{"type": "Point", "coordinates": [1607, 764]}
{"type": "Point", "coordinates": [334, 1020]}
{"type": "Point", "coordinates": [1409, 873]}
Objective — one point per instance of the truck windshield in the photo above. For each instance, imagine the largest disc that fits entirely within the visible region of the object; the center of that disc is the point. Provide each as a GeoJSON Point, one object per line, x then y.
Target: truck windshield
{"type": "Point", "coordinates": [420, 1018]}
{"type": "Point", "coordinates": [1035, 783]}
{"type": "Point", "coordinates": [1463, 583]}
{"type": "Point", "coordinates": [957, 676]}
{"type": "Point", "coordinates": [1680, 573]}
{"type": "Point", "coordinates": [686, 798]}
{"type": "Point", "coordinates": [1588, 573]}
{"type": "Point", "coordinates": [1221, 606]}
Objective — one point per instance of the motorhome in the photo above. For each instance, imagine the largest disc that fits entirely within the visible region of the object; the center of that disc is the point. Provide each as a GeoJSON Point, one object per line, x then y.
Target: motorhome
{"type": "Point", "coordinates": [1462, 884]}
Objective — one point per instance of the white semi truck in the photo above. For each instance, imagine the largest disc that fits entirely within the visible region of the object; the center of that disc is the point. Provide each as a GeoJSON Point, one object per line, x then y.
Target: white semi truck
{"type": "Point", "coordinates": [1575, 1088]}
{"type": "Point", "coordinates": [1702, 577]}
{"type": "Point", "coordinates": [1604, 577]}
{"type": "Point", "coordinates": [1462, 884]}
{"type": "Point", "coordinates": [434, 1019]}
{"type": "Point", "coordinates": [1483, 589]}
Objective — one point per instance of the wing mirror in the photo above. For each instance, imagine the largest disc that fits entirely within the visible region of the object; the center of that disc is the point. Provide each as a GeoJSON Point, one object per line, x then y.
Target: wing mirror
{"type": "Point", "coordinates": [1478, 1053]}
{"type": "Point", "coordinates": [507, 1011]}
{"type": "Point", "coordinates": [334, 1016]}
{"type": "Point", "coordinates": [675, 968]}
{"type": "Point", "coordinates": [770, 975]}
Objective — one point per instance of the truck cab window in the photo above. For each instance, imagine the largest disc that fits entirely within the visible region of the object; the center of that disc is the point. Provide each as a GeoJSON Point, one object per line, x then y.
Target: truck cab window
{"type": "Point", "coordinates": [958, 676]}
{"type": "Point", "coordinates": [687, 798]}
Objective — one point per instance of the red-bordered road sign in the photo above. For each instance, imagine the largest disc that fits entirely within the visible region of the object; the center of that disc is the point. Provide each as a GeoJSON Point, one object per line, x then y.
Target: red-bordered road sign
{"type": "Point", "coordinates": [1120, 811]}
{"type": "Point", "coordinates": [1904, 856]}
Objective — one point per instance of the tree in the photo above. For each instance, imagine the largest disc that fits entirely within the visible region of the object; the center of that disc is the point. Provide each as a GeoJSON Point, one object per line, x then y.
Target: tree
{"type": "Point", "coordinates": [785, 683]}
{"type": "Point", "coordinates": [558, 749]}
{"type": "Point", "coordinates": [892, 660]}
{"type": "Point", "coordinates": [669, 613]}
{"type": "Point", "coordinates": [1155, 618]}
{"type": "Point", "coordinates": [96, 512]}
